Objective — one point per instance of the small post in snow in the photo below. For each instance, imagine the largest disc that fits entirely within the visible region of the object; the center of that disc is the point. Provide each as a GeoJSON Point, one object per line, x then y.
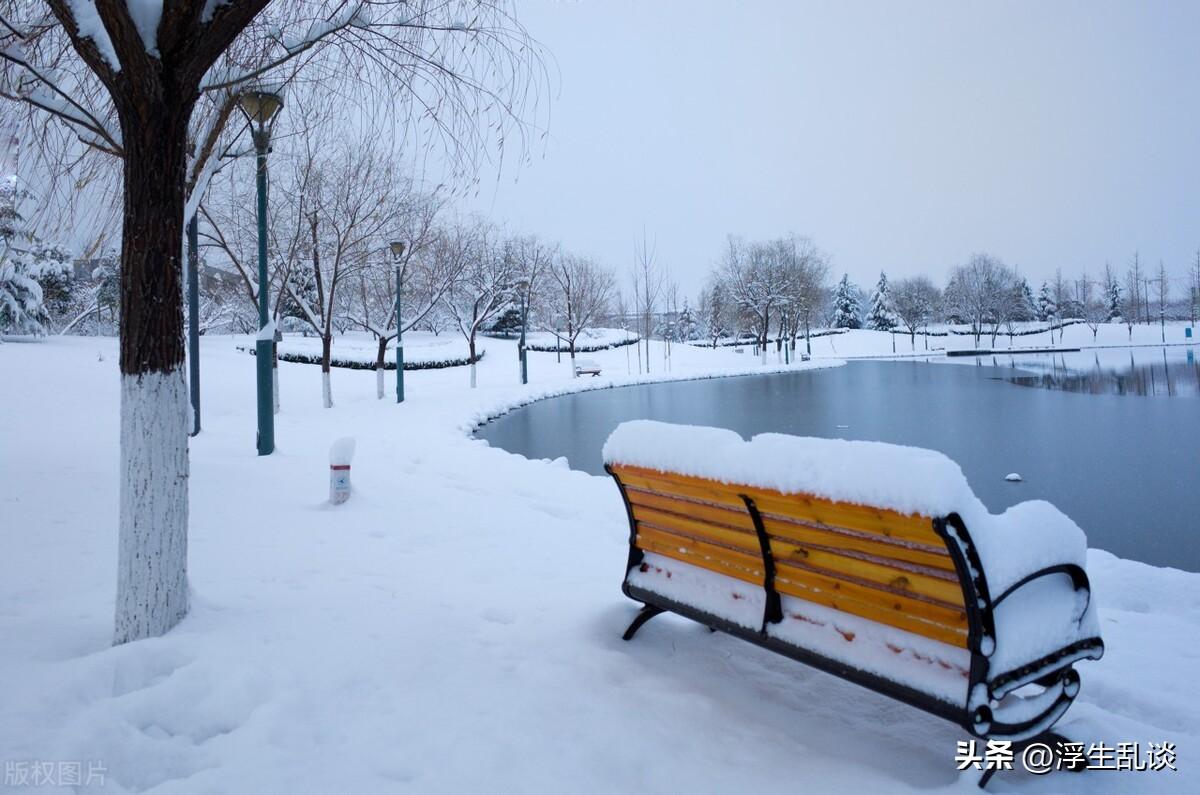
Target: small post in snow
{"type": "Point", "coordinates": [340, 455]}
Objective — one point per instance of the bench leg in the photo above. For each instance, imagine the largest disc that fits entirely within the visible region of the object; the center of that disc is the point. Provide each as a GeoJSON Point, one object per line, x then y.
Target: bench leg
{"type": "Point", "coordinates": [645, 614]}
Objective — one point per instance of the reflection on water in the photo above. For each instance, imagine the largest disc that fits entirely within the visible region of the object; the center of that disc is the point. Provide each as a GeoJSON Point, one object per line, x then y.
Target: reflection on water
{"type": "Point", "coordinates": [1167, 372]}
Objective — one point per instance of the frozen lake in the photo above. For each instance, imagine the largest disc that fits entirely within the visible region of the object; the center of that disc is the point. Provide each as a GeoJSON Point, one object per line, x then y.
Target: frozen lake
{"type": "Point", "coordinates": [1110, 436]}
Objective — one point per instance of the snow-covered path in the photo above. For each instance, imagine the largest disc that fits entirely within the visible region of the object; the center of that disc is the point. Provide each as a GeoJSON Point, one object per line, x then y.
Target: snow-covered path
{"type": "Point", "coordinates": [455, 625]}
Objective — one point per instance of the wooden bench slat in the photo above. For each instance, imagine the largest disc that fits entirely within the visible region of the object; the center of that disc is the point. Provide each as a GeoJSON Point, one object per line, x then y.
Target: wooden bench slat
{"type": "Point", "coordinates": [804, 507]}
{"type": "Point", "coordinates": [702, 555]}
{"type": "Point", "coordinates": [859, 518]}
{"type": "Point", "coordinates": [875, 612]}
{"type": "Point", "coordinates": [728, 516]}
{"type": "Point", "coordinates": [935, 612]}
{"type": "Point", "coordinates": [840, 566]}
{"type": "Point", "coordinates": [694, 488]}
{"type": "Point", "coordinates": [702, 531]}
{"type": "Point", "coordinates": [801, 535]}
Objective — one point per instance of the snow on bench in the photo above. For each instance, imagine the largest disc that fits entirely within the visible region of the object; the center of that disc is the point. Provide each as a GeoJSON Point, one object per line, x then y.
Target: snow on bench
{"type": "Point", "coordinates": [587, 367]}
{"type": "Point", "coordinates": [872, 561]}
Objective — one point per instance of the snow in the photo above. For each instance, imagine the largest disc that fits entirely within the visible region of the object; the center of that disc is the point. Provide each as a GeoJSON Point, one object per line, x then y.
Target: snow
{"type": "Point", "coordinates": [146, 15]}
{"type": "Point", "coordinates": [1013, 477]}
{"type": "Point", "coordinates": [456, 625]}
{"type": "Point", "coordinates": [90, 26]}
{"type": "Point", "coordinates": [341, 452]}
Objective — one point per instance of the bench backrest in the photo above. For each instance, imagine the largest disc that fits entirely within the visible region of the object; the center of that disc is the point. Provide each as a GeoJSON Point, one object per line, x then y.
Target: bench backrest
{"type": "Point", "coordinates": [881, 565]}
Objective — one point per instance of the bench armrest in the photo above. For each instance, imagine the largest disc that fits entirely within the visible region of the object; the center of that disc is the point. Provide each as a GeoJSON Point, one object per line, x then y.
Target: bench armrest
{"type": "Point", "coordinates": [1079, 581]}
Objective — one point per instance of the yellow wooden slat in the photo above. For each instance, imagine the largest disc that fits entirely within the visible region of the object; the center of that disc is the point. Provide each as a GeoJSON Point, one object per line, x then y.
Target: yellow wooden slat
{"type": "Point", "coordinates": [801, 535]}
{"type": "Point", "coordinates": [702, 531]}
{"type": "Point", "coordinates": [672, 549]}
{"type": "Point", "coordinates": [877, 612]}
{"type": "Point", "coordinates": [936, 612]}
{"type": "Point", "coordinates": [805, 507]}
{"type": "Point", "coordinates": [839, 566]}
{"type": "Point", "coordinates": [732, 517]}
{"type": "Point", "coordinates": [694, 488]}
{"type": "Point", "coordinates": [733, 557]}
{"type": "Point", "coordinates": [860, 518]}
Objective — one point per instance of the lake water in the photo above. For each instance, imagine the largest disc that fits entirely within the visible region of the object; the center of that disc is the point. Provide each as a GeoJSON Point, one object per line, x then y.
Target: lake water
{"type": "Point", "coordinates": [1113, 441]}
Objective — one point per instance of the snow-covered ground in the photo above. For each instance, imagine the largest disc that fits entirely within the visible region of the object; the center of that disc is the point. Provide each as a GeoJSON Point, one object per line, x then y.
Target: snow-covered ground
{"type": "Point", "coordinates": [456, 625]}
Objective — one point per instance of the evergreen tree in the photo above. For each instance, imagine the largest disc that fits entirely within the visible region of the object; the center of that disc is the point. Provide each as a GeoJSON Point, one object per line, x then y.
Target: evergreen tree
{"type": "Point", "coordinates": [846, 313]}
{"type": "Point", "coordinates": [508, 323]}
{"type": "Point", "coordinates": [1029, 307]}
{"type": "Point", "coordinates": [881, 317]}
{"type": "Point", "coordinates": [1046, 308]}
{"type": "Point", "coordinates": [1113, 299]}
{"type": "Point", "coordinates": [25, 263]}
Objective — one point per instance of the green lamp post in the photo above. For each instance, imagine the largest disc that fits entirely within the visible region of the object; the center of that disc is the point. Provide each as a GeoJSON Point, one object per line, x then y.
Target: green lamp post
{"type": "Point", "coordinates": [260, 107]}
{"type": "Point", "coordinates": [397, 247]}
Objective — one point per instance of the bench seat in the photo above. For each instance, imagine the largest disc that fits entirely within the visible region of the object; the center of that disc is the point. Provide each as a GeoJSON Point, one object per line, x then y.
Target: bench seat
{"type": "Point", "coordinates": [875, 562]}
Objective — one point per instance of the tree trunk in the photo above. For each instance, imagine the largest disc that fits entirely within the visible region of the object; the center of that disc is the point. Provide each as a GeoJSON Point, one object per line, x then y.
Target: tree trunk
{"type": "Point", "coordinates": [471, 356]}
{"type": "Point", "coordinates": [574, 373]}
{"type": "Point", "coordinates": [380, 358]}
{"type": "Point", "coordinates": [152, 591]}
{"type": "Point", "coordinates": [326, 355]}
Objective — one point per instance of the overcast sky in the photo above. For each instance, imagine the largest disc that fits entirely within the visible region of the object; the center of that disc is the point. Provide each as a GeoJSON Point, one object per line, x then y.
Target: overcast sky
{"type": "Point", "coordinates": [897, 135]}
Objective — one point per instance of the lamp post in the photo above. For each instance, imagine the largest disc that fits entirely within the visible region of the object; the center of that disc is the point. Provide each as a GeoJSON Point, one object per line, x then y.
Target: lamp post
{"type": "Point", "coordinates": [397, 247]}
{"type": "Point", "coordinates": [522, 353]}
{"type": "Point", "coordinates": [260, 107]}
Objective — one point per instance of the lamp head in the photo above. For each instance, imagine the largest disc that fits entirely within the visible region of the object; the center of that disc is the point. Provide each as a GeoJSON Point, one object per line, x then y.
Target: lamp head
{"type": "Point", "coordinates": [397, 247]}
{"type": "Point", "coordinates": [260, 105]}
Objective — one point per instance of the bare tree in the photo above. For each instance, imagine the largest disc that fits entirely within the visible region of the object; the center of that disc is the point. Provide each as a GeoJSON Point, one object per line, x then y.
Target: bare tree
{"type": "Point", "coordinates": [981, 292]}
{"type": "Point", "coordinates": [485, 284]}
{"type": "Point", "coordinates": [353, 209]}
{"type": "Point", "coordinates": [583, 293]}
{"type": "Point", "coordinates": [129, 85]}
{"type": "Point", "coordinates": [424, 279]}
{"type": "Point", "coordinates": [1089, 303]}
{"type": "Point", "coordinates": [1133, 294]}
{"type": "Point", "coordinates": [648, 282]}
{"type": "Point", "coordinates": [914, 300]}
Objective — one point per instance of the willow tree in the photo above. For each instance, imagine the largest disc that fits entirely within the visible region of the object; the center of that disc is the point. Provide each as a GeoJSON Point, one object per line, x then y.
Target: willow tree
{"type": "Point", "coordinates": [155, 86]}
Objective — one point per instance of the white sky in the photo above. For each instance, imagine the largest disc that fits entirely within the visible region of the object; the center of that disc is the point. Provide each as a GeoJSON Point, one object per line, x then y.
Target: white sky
{"type": "Point", "coordinates": [898, 135]}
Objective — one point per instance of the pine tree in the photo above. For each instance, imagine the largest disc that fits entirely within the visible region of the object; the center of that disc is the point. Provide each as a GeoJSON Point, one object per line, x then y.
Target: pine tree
{"type": "Point", "coordinates": [845, 305]}
{"type": "Point", "coordinates": [881, 317]}
{"type": "Point", "coordinates": [25, 263]}
{"type": "Point", "coordinates": [1029, 307]}
{"type": "Point", "coordinates": [1114, 299]}
{"type": "Point", "coordinates": [1046, 308]}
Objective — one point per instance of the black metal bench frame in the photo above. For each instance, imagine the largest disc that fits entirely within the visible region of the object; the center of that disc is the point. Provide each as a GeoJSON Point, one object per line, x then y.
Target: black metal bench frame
{"type": "Point", "coordinates": [1055, 669]}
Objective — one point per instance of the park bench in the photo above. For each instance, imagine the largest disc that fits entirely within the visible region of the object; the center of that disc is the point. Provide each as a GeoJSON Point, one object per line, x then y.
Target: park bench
{"type": "Point", "coordinates": [587, 367]}
{"type": "Point", "coordinates": [872, 562]}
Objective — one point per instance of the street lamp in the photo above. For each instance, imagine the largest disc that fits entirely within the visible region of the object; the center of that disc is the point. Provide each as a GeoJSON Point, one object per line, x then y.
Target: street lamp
{"type": "Point", "coordinates": [397, 247]}
{"type": "Point", "coordinates": [260, 107]}
{"type": "Point", "coordinates": [522, 353]}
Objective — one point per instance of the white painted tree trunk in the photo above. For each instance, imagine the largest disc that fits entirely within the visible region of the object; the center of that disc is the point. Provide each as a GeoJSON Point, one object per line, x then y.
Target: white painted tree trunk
{"type": "Point", "coordinates": [326, 391]}
{"type": "Point", "coordinates": [472, 375]}
{"type": "Point", "coordinates": [152, 591]}
{"type": "Point", "coordinates": [379, 384]}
